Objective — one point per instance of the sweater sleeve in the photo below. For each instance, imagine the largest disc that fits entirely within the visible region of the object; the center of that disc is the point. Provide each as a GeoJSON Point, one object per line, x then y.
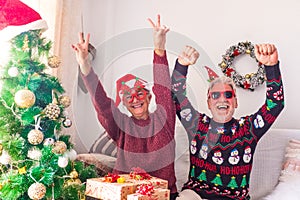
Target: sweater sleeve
{"type": "Point", "coordinates": [186, 113]}
{"type": "Point", "coordinates": [104, 106]}
{"type": "Point", "coordinates": [162, 91]}
{"type": "Point", "coordinates": [262, 120]}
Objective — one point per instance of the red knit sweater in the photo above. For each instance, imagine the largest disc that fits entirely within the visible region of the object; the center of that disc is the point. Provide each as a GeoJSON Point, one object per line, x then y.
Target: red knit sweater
{"type": "Point", "coordinates": [148, 144]}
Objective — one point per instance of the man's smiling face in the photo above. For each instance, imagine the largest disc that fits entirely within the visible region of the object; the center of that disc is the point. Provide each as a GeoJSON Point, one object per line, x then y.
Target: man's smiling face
{"type": "Point", "coordinates": [137, 102]}
{"type": "Point", "coordinates": [222, 102]}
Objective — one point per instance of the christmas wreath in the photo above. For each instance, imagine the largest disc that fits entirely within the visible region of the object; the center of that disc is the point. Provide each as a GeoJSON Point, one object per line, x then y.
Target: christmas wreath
{"type": "Point", "coordinates": [248, 81]}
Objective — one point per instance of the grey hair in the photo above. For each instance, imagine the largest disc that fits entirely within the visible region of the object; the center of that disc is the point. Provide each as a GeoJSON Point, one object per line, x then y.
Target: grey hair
{"type": "Point", "coordinates": [223, 79]}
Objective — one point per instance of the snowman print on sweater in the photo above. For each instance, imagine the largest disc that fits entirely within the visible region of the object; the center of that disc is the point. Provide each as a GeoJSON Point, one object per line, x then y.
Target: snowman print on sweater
{"type": "Point", "coordinates": [247, 154]}
{"type": "Point", "coordinates": [234, 157]}
{"type": "Point", "coordinates": [193, 147]}
{"type": "Point", "coordinates": [217, 157]}
{"type": "Point", "coordinates": [204, 151]}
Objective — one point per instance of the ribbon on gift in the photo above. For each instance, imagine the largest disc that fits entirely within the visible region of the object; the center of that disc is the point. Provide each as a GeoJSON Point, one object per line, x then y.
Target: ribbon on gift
{"type": "Point", "coordinates": [145, 189]}
{"type": "Point", "coordinates": [139, 174]}
{"type": "Point", "coordinates": [111, 178]}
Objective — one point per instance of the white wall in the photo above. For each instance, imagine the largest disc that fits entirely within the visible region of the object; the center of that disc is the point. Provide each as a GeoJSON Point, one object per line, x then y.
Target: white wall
{"type": "Point", "coordinates": [213, 26]}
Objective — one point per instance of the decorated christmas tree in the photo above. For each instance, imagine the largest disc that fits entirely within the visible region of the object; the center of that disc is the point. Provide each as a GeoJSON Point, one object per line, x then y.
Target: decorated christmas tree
{"type": "Point", "coordinates": [37, 161]}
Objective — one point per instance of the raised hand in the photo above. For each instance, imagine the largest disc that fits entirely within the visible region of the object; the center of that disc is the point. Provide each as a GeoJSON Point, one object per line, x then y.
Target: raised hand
{"type": "Point", "coordinates": [266, 54]}
{"type": "Point", "coordinates": [188, 56]}
{"type": "Point", "coordinates": [159, 34]}
{"type": "Point", "coordinates": [82, 53]}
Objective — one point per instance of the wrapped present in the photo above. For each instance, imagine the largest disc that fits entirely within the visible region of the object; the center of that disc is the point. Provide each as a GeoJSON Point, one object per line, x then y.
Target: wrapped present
{"type": "Point", "coordinates": [156, 194]}
{"type": "Point", "coordinates": [147, 192]}
{"type": "Point", "coordinates": [102, 188]}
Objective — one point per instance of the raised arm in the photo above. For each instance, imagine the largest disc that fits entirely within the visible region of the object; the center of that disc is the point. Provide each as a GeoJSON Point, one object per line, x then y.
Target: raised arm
{"type": "Point", "coordinates": [186, 113]}
{"type": "Point", "coordinates": [267, 54]}
{"type": "Point", "coordinates": [159, 36]}
{"type": "Point", "coordinates": [82, 54]}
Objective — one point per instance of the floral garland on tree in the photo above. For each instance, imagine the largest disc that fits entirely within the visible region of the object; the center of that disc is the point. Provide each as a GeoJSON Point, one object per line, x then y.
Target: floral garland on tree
{"type": "Point", "coordinates": [248, 81]}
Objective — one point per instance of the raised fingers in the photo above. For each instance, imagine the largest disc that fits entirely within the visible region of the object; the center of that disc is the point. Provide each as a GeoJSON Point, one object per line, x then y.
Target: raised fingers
{"type": "Point", "coordinates": [265, 49]}
{"type": "Point", "coordinates": [87, 40]}
{"type": "Point", "coordinates": [80, 37]}
{"type": "Point", "coordinates": [151, 22]}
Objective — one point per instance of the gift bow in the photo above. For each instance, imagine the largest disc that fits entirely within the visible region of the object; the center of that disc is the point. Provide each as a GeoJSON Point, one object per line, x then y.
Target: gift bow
{"type": "Point", "coordinates": [111, 178]}
{"type": "Point", "coordinates": [139, 174]}
{"type": "Point", "coordinates": [145, 189]}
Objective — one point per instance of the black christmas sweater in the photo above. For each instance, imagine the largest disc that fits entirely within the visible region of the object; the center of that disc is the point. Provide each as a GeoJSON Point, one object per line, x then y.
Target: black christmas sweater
{"type": "Point", "coordinates": [221, 154]}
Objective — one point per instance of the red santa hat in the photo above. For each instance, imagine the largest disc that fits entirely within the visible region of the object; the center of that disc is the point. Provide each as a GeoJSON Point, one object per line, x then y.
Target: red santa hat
{"type": "Point", "coordinates": [211, 74]}
{"type": "Point", "coordinates": [128, 82]}
{"type": "Point", "coordinates": [16, 17]}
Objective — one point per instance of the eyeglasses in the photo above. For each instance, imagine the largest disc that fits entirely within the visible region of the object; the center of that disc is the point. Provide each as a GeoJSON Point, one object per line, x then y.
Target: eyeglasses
{"type": "Point", "coordinates": [138, 94]}
{"type": "Point", "coordinates": [226, 94]}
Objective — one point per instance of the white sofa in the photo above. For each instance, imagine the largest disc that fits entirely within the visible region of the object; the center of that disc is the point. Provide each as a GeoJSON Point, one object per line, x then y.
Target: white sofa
{"type": "Point", "coordinates": [267, 164]}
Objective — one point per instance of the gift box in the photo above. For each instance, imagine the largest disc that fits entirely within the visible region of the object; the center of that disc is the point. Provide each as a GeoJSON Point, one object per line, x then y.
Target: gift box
{"type": "Point", "coordinates": [99, 188]}
{"type": "Point", "coordinates": [157, 194]}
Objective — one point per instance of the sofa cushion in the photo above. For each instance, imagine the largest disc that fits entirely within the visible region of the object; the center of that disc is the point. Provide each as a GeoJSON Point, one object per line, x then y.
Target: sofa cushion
{"type": "Point", "coordinates": [289, 180]}
{"type": "Point", "coordinates": [104, 145]}
{"type": "Point", "coordinates": [268, 161]}
{"type": "Point", "coordinates": [103, 163]}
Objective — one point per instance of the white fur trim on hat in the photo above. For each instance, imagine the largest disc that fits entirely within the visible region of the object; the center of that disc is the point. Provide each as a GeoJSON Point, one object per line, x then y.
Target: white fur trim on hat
{"type": "Point", "coordinates": [10, 32]}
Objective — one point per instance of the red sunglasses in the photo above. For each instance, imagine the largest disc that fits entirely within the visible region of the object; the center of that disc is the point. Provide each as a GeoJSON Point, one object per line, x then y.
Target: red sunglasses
{"type": "Point", "coordinates": [138, 94]}
{"type": "Point", "coordinates": [226, 94]}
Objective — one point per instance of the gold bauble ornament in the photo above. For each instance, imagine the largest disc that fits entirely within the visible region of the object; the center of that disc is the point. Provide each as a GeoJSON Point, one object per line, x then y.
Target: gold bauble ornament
{"type": "Point", "coordinates": [24, 98]}
{"type": "Point", "coordinates": [74, 174]}
{"type": "Point", "coordinates": [77, 181]}
{"type": "Point", "coordinates": [247, 76]}
{"type": "Point", "coordinates": [35, 137]}
{"type": "Point", "coordinates": [64, 100]}
{"type": "Point", "coordinates": [59, 147]}
{"type": "Point", "coordinates": [54, 61]}
{"type": "Point", "coordinates": [36, 191]}
{"type": "Point", "coordinates": [52, 111]}
{"type": "Point", "coordinates": [248, 51]}
{"type": "Point", "coordinates": [223, 65]}
{"type": "Point", "coordinates": [72, 182]}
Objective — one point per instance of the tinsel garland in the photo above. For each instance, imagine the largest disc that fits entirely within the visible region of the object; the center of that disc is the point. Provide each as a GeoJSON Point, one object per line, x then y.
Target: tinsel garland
{"type": "Point", "coordinates": [248, 81]}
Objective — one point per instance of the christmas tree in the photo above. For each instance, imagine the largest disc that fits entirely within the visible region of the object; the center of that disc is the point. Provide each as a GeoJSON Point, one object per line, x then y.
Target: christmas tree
{"type": "Point", "coordinates": [232, 184]}
{"type": "Point", "coordinates": [202, 176]}
{"type": "Point", "coordinates": [244, 182]}
{"type": "Point", "coordinates": [37, 160]}
{"type": "Point", "coordinates": [217, 180]}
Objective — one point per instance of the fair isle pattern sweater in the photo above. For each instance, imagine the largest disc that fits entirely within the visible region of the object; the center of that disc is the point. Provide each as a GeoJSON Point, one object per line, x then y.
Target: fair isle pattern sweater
{"type": "Point", "coordinates": [221, 155]}
{"type": "Point", "coordinates": [148, 144]}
